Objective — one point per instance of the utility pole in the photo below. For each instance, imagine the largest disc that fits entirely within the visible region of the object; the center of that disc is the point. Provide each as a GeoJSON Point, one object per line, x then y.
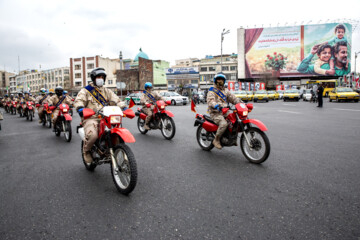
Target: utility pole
{"type": "Point", "coordinates": [222, 39]}
{"type": "Point", "coordinates": [120, 57]}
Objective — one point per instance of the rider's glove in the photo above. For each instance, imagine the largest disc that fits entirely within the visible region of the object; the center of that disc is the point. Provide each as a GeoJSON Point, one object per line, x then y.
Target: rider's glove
{"type": "Point", "coordinates": [80, 111]}
{"type": "Point", "coordinates": [125, 108]}
{"type": "Point", "coordinates": [218, 107]}
{"type": "Point", "coordinates": [148, 105]}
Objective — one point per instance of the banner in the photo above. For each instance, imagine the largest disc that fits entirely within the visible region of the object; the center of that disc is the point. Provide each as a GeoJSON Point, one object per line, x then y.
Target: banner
{"type": "Point", "coordinates": [231, 86]}
{"type": "Point", "coordinates": [306, 50]}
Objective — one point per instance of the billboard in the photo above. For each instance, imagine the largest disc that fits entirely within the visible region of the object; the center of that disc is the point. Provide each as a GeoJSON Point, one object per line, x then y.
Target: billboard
{"type": "Point", "coordinates": [298, 51]}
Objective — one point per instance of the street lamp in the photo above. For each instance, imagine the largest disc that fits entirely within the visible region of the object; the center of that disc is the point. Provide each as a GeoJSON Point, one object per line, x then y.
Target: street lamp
{"type": "Point", "coordinates": [120, 57]}
{"type": "Point", "coordinates": [222, 39]}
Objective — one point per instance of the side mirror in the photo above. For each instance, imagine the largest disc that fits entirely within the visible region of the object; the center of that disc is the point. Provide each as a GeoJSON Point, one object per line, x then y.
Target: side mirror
{"type": "Point", "coordinates": [168, 102]}
{"type": "Point", "coordinates": [129, 113]}
{"type": "Point", "coordinates": [250, 106]}
{"type": "Point", "coordinates": [87, 113]}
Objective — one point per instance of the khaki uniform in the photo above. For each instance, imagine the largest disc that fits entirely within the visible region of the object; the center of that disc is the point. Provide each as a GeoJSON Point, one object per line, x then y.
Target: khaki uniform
{"type": "Point", "coordinates": [213, 99]}
{"type": "Point", "coordinates": [19, 100]}
{"type": "Point", "coordinates": [53, 101]}
{"type": "Point", "coordinates": [91, 125]}
{"type": "Point", "coordinates": [27, 99]}
{"type": "Point", "coordinates": [41, 108]}
{"type": "Point", "coordinates": [145, 100]}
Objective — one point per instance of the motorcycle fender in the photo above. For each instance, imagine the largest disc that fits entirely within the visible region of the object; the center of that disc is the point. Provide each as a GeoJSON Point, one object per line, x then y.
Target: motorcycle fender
{"type": "Point", "coordinates": [67, 117]}
{"type": "Point", "coordinates": [30, 108]}
{"type": "Point", "coordinates": [124, 134]}
{"type": "Point", "coordinates": [256, 122]}
{"type": "Point", "coordinates": [170, 114]}
{"type": "Point", "coordinates": [142, 116]}
{"type": "Point", "coordinates": [210, 127]}
{"type": "Point", "coordinates": [198, 122]}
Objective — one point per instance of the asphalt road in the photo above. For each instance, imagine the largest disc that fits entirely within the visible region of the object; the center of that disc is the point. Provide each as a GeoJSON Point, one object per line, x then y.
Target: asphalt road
{"type": "Point", "coordinates": [309, 188]}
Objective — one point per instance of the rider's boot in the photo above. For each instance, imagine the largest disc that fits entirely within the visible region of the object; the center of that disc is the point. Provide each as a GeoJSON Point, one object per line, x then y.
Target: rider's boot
{"type": "Point", "coordinates": [87, 157]}
{"type": "Point", "coordinates": [40, 121]}
{"type": "Point", "coordinates": [146, 126]}
{"type": "Point", "coordinates": [217, 143]}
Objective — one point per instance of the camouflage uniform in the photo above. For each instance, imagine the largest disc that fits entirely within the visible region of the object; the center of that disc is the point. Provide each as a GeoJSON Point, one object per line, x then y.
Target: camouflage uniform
{"type": "Point", "coordinates": [213, 99]}
{"type": "Point", "coordinates": [91, 125]}
{"type": "Point", "coordinates": [149, 111]}
{"type": "Point", "coordinates": [53, 101]}
{"type": "Point", "coordinates": [41, 108]}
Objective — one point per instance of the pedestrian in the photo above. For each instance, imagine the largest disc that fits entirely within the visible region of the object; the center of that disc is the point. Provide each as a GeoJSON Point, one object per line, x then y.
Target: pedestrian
{"type": "Point", "coordinates": [320, 91]}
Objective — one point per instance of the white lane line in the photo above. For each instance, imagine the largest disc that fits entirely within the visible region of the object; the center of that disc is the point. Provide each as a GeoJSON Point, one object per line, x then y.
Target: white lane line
{"type": "Point", "coordinates": [289, 112]}
{"type": "Point", "coordinates": [344, 109]}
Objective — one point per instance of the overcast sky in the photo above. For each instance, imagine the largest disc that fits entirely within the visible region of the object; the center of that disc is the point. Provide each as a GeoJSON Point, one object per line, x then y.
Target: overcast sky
{"type": "Point", "coordinates": [50, 32]}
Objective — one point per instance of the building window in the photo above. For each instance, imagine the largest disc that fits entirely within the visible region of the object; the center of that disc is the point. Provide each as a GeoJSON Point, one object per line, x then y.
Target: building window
{"type": "Point", "coordinates": [194, 81]}
{"type": "Point", "coordinates": [78, 84]}
{"type": "Point", "coordinates": [203, 69]}
{"type": "Point", "coordinates": [66, 71]}
{"type": "Point", "coordinates": [77, 75]}
{"type": "Point", "coordinates": [211, 69]}
{"type": "Point", "coordinates": [90, 66]}
{"type": "Point", "coordinates": [59, 72]}
{"type": "Point", "coordinates": [77, 67]}
{"type": "Point", "coordinates": [110, 81]}
{"type": "Point", "coordinates": [171, 82]}
{"type": "Point", "coordinates": [225, 68]}
{"type": "Point", "coordinates": [88, 75]}
{"type": "Point", "coordinates": [233, 68]}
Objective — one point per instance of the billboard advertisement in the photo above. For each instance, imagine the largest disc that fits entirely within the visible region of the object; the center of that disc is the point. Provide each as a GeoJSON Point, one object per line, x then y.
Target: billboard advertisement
{"type": "Point", "coordinates": [298, 51]}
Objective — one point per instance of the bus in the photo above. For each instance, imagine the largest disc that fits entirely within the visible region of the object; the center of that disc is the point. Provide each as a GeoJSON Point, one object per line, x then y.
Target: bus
{"type": "Point", "coordinates": [328, 85]}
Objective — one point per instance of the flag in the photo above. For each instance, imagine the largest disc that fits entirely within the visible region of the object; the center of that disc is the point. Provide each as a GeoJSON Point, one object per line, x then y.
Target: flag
{"type": "Point", "coordinates": [193, 107]}
{"type": "Point", "coordinates": [131, 103]}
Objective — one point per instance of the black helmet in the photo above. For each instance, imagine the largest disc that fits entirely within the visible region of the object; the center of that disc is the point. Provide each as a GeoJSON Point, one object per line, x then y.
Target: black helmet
{"type": "Point", "coordinates": [6, 95]}
{"type": "Point", "coordinates": [59, 91]}
{"type": "Point", "coordinates": [20, 93]}
{"type": "Point", "coordinates": [97, 72]}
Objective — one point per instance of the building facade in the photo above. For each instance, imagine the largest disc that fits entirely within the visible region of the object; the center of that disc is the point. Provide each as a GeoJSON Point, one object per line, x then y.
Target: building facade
{"type": "Point", "coordinates": [5, 82]}
{"type": "Point", "coordinates": [211, 65]}
{"type": "Point", "coordinates": [80, 69]}
{"type": "Point", "coordinates": [182, 77]}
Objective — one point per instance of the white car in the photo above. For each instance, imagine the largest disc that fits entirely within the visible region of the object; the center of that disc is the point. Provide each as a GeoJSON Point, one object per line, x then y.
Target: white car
{"type": "Point", "coordinates": [175, 98]}
{"type": "Point", "coordinates": [307, 95]}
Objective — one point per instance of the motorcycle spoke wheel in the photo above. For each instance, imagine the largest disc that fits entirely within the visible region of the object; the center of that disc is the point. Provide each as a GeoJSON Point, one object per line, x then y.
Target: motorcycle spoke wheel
{"type": "Point", "coordinates": [168, 129]}
{"type": "Point", "coordinates": [141, 124]}
{"type": "Point", "coordinates": [202, 139]}
{"type": "Point", "coordinates": [48, 121]}
{"type": "Point", "coordinates": [125, 177]}
{"type": "Point", "coordinates": [68, 131]}
{"type": "Point", "coordinates": [31, 116]}
{"type": "Point", "coordinates": [259, 150]}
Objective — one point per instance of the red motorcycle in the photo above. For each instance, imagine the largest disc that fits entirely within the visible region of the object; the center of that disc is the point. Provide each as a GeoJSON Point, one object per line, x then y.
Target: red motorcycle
{"type": "Point", "coordinates": [21, 109]}
{"type": "Point", "coordinates": [13, 107]}
{"type": "Point", "coordinates": [110, 146]}
{"type": "Point", "coordinates": [8, 106]}
{"type": "Point", "coordinates": [29, 110]}
{"type": "Point", "coordinates": [254, 143]}
{"type": "Point", "coordinates": [47, 116]}
{"type": "Point", "coordinates": [63, 122]}
{"type": "Point", "coordinates": [162, 119]}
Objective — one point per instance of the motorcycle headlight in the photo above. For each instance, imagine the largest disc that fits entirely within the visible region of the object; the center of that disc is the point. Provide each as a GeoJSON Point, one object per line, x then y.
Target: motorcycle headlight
{"type": "Point", "coordinates": [115, 119]}
{"type": "Point", "coordinates": [64, 110]}
{"type": "Point", "coordinates": [245, 113]}
{"type": "Point", "coordinates": [162, 107]}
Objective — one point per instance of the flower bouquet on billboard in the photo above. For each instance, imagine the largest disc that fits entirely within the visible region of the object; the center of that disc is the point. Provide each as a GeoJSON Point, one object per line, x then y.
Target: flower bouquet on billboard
{"type": "Point", "coordinates": [275, 63]}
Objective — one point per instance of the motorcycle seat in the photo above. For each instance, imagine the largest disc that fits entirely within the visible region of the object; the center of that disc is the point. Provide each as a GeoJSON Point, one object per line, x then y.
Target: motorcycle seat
{"type": "Point", "coordinates": [208, 118]}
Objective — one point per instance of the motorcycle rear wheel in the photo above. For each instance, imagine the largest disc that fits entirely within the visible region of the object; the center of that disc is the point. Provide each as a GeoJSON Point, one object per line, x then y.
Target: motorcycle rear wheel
{"type": "Point", "coordinates": [126, 177]}
{"type": "Point", "coordinates": [68, 131]}
{"type": "Point", "coordinates": [261, 145]}
{"type": "Point", "coordinates": [201, 137]}
{"type": "Point", "coordinates": [90, 167]}
{"type": "Point", "coordinates": [168, 131]}
{"type": "Point", "coordinates": [141, 124]}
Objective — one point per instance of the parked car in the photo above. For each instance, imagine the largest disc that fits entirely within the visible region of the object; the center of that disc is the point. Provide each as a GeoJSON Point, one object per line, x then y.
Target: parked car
{"type": "Point", "coordinates": [281, 93]}
{"type": "Point", "coordinates": [271, 95]}
{"type": "Point", "coordinates": [261, 95]}
{"type": "Point", "coordinates": [342, 93]}
{"type": "Point", "coordinates": [250, 95]}
{"type": "Point", "coordinates": [135, 96]}
{"type": "Point", "coordinates": [175, 98]}
{"type": "Point", "coordinates": [291, 94]}
{"type": "Point", "coordinates": [307, 95]}
{"type": "Point", "coordinates": [242, 95]}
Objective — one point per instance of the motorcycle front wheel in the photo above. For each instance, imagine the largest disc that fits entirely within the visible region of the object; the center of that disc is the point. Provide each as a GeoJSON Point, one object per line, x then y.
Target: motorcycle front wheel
{"type": "Point", "coordinates": [259, 150]}
{"type": "Point", "coordinates": [31, 115]}
{"type": "Point", "coordinates": [68, 131]}
{"type": "Point", "coordinates": [203, 140]}
{"type": "Point", "coordinates": [125, 177]}
{"type": "Point", "coordinates": [168, 129]}
{"type": "Point", "coordinates": [48, 120]}
{"type": "Point", "coordinates": [141, 124]}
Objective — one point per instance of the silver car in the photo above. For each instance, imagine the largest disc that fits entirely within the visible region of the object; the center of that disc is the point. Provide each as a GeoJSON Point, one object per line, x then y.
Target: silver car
{"type": "Point", "coordinates": [175, 98]}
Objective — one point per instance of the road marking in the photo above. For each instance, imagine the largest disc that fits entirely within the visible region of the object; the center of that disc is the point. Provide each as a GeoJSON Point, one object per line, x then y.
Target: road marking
{"type": "Point", "coordinates": [289, 112]}
{"type": "Point", "coordinates": [19, 133]}
{"type": "Point", "coordinates": [289, 105]}
{"type": "Point", "coordinates": [344, 109]}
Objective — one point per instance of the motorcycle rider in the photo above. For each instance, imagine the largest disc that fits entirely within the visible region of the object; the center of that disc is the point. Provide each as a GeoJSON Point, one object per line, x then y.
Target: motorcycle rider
{"type": "Point", "coordinates": [56, 100]}
{"type": "Point", "coordinates": [20, 99]}
{"type": "Point", "coordinates": [5, 100]}
{"type": "Point", "coordinates": [218, 98]}
{"type": "Point", "coordinates": [148, 100]}
{"type": "Point", "coordinates": [94, 96]}
{"type": "Point", "coordinates": [41, 100]}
